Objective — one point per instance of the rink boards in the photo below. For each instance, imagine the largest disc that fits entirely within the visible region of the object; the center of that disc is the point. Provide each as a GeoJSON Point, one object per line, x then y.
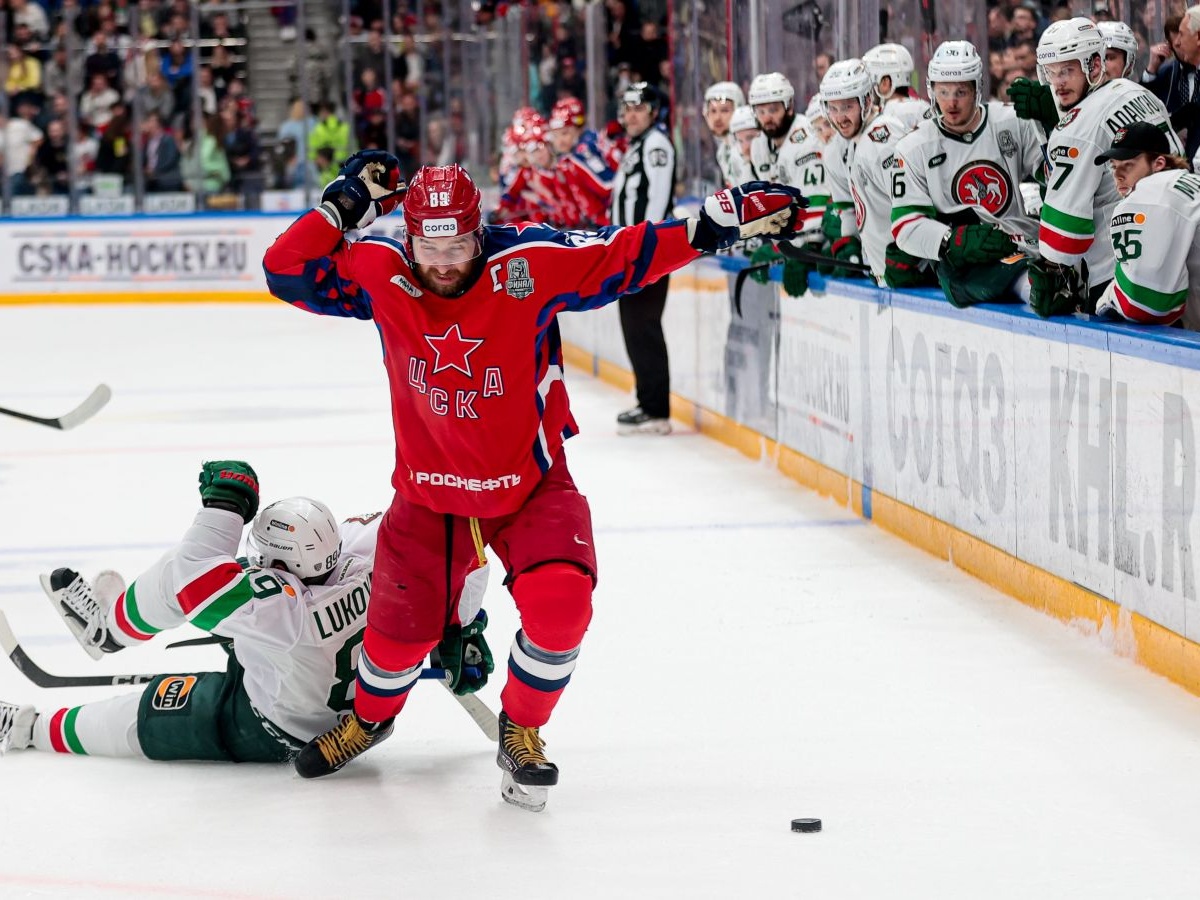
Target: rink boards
{"type": "Point", "coordinates": [1054, 459]}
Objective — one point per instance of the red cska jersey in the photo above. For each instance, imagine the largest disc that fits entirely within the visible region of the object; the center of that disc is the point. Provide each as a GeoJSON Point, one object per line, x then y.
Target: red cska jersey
{"type": "Point", "coordinates": [479, 406]}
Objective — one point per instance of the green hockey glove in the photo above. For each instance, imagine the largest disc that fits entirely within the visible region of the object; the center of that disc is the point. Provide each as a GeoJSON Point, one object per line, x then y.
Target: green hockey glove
{"type": "Point", "coordinates": [831, 223]}
{"type": "Point", "coordinates": [1055, 289]}
{"type": "Point", "coordinates": [795, 277]}
{"type": "Point", "coordinates": [848, 249]}
{"type": "Point", "coordinates": [463, 647]}
{"type": "Point", "coordinates": [971, 244]}
{"type": "Point", "coordinates": [230, 484]}
{"type": "Point", "coordinates": [764, 255]}
{"type": "Point", "coordinates": [903, 270]}
{"type": "Point", "coordinates": [1034, 100]}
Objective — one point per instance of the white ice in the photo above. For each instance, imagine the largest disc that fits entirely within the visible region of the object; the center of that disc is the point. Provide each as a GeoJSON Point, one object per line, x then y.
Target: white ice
{"type": "Point", "coordinates": [757, 654]}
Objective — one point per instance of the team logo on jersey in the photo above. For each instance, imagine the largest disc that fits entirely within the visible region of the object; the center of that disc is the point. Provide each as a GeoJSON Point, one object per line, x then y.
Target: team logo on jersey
{"type": "Point", "coordinates": [452, 350]}
{"type": "Point", "coordinates": [518, 284]}
{"type": "Point", "coordinates": [405, 285]}
{"type": "Point", "coordinates": [799, 136]}
{"type": "Point", "coordinates": [173, 692]}
{"type": "Point", "coordinates": [1067, 119]}
{"type": "Point", "coordinates": [658, 157]}
{"type": "Point", "coordinates": [1008, 144]}
{"type": "Point", "coordinates": [879, 134]}
{"type": "Point", "coordinates": [982, 184]}
{"type": "Point", "coordinates": [860, 208]}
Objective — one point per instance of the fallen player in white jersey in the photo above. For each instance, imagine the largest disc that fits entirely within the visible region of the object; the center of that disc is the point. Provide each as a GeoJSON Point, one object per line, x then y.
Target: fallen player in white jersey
{"type": "Point", "coordinates": [293, 616]}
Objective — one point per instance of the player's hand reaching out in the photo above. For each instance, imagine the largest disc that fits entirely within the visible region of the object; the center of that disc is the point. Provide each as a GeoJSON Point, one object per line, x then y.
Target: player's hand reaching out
{"type": "Point", "coordinates": [756, 208]}
{"type": "Point", "coordinates": [230, 484]}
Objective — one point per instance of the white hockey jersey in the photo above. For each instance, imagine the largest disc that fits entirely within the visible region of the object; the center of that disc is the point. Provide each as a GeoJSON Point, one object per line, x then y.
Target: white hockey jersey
{"type": "Point", "coordinates": [764, 157]}
{"type": "Point", "coordinates": [1080, 196]}
{"type": "Point", "coordinates": [861, 185]}
{"type": "Point", "coordinates": [938, 175]}
{"type": "Point", "coordinates": [298, 643]}
{"type": "Point", "coordinates": [1155, 235]}
{"type": "Point", "coordinates": [909, 111]}
{"type": "Point", "coordinates": [800, 163]}
{"type": "Point", "coordinates": [735, 168]}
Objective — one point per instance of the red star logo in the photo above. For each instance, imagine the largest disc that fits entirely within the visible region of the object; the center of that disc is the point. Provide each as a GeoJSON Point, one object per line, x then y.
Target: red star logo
{"type": "Point", "coordinates": [452, 350]}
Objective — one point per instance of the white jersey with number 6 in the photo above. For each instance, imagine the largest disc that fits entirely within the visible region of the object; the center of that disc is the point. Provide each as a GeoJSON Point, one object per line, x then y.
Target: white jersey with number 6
{"type": "Point", "coordinates": [937, 175]}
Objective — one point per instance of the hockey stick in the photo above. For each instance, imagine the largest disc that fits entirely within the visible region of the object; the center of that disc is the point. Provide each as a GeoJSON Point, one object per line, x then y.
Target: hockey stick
{"type": "Point", "coordinates": [741, 280]}
{"type": "Point", "coordinates": [80, 414]}
{"type": "Point", "coordinates": [820, 259]}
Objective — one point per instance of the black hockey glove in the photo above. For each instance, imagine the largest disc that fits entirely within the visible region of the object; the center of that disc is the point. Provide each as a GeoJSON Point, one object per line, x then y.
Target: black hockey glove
{"type": "Point", "coordinates": [368, 185]}
{"type": "Point", "coordinates": [753, 209]}
{"type": "Point", "coordinates": [1055, 289]}
{"type": "Point", "coordinates": [229, 484]}
{"type": "Point", "coordinates": [464, 647]}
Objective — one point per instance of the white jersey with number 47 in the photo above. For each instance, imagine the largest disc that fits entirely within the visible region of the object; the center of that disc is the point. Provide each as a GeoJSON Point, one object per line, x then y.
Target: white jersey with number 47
{"type": "Point", "coordinates": [298, 643]}
{"type": "Point", "coordinates": [1155, 235]}
{"type": "Point", "coordinates": [1080, 195]}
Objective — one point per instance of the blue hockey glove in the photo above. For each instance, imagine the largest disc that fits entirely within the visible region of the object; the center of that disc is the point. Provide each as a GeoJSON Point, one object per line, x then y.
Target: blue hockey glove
{"type": "Point", "coordinates": [368, 185]}
{"type": "Point", "coordinates": [756, 208]}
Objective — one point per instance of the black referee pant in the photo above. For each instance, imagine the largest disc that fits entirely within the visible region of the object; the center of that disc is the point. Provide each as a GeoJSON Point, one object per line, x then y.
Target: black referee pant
{"type": "Point", "coordinates": [641, 324]}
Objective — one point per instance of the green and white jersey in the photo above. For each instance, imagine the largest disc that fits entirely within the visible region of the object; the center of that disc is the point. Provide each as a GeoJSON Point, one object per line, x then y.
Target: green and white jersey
{"type": "Point", "coordinates": [764, 156]}
{"type": "Point", "coordinates": [1081, 196]}
{"type": "Point", "coordinates": [860, 173]}
{"type": "Point", "coordinates": [298, 643]}
{"type": "Point", "coordinates": [735, 168]}
{"type": "Point", "coordinates": [1155, 235]}
{"type": "Point", "coordinates": [940, 177]}
{"type": "Point", "coordinates": [800, 163]}
{"type": "Point", "coordinates": [909, 111]}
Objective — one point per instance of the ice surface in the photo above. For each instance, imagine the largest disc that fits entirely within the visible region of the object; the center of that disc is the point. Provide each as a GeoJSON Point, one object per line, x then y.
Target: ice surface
{"type": "Point", "coordinates": [757, 655]}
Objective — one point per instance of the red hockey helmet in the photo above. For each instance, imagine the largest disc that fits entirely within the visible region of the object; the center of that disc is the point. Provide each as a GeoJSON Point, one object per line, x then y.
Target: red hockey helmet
{"type": "Point", "coordinates": [567, 111]}
{"type": "Point", "coordinates": [442, 216]}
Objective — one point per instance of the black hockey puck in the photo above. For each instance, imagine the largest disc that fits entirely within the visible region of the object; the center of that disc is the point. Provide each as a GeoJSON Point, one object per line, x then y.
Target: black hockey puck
{"type": "Point", "coordinates": [808, 826]}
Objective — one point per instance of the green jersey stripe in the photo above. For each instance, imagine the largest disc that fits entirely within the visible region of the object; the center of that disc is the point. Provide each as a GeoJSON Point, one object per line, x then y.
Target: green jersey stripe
{"type": "Point", "coordinates": [1158, 300]}
{"type": "Point", "coordinates": [135, 615]}
{"type": "Point", "coordinates": [69, 732]}
{"type": "Point", "coordinates": [1067, 222]}
{"type": "Point", "coordinates": [222, 606]}
{"type": "Point", "coordinates": [899, 212]}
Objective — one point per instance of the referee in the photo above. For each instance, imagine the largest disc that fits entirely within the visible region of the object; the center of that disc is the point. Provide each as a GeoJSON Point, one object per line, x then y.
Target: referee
{"type": "Point", "coordinates": [644, 190]}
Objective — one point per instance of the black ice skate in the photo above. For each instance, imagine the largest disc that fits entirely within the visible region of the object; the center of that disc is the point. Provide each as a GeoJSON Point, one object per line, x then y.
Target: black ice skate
{"type": "Point", "coordinates": [638, 421]}
{"type": "Point", "coordinates": [328, 752]}
{"type": "Point", "coordinates": [527, 772]}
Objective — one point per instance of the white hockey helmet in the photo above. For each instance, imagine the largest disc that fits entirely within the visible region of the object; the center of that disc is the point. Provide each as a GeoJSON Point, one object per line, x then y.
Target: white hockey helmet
{"type": "Point", "coordinates": [725, 90]}
{"type": "Point", "coordinates": [955, 61]}
{"type": "Point", "coordinates": [892, 60]}
{"type": "Point", "coordinates": [1077, 39]}
{"type": "Point", "coordinates": [1119, 36]}
{"type": "Point", "coordinates": [771, 87]}
{"type": "Point", "coordinates": [816, 109]}
{"type": "Point", "coordinates": [847, 79]}
{"type": "Point", "coordinates": [297, 535]}
{"type": "Point", "coordinates": [743, 120]}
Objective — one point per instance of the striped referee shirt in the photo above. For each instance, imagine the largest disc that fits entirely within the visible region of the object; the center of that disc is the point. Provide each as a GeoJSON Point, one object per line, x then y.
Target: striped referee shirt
{"type": "Point", "coordinates": [644, 187]}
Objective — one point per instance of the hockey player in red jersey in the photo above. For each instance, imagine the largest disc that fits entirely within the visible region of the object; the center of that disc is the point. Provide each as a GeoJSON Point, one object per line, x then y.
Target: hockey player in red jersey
{"type": "Point", "coordinates": [583, 166]}
{"type": "Point", "coordinates": [466, 313]}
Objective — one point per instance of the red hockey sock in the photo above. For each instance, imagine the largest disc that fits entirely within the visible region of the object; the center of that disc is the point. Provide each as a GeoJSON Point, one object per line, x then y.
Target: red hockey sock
{"type": "Point", "coordinates": [387, 670]}
{"type": "Point", "coordinates": [555, 602]}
